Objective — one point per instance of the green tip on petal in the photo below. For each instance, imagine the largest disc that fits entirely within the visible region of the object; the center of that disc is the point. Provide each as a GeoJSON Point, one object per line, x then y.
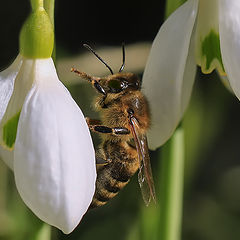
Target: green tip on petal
{"type": "Point", "coordinates": [37, 36]}
{"type": "Point", "coordinates": [10, 131]}
{"type": "Point", "coordinates": [210, 49]}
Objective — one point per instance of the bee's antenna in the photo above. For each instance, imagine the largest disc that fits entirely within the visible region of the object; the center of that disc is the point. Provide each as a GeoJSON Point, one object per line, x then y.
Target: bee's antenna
{"type": "Point", "coordinates": [123, 60]}
{"type": "Point", "coordinates": [99, 58]}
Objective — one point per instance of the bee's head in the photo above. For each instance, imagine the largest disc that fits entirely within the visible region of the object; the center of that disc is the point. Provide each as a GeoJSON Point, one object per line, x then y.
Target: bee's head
{"type": "Point", "coordinates": [114, 83]}
{"type": "Point", "coordinates": [119, 82]}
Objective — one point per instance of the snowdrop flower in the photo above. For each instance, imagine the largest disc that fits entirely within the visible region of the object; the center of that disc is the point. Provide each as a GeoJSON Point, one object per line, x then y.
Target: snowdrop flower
{"type": "Point", "coordinates": [53, 156]}
{"type": "Point", "coordinates": [199, 32]}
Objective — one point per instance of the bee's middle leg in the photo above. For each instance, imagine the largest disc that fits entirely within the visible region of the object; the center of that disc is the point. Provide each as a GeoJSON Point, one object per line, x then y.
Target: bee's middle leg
{"type": "Point", "coordinates": [95, 126]}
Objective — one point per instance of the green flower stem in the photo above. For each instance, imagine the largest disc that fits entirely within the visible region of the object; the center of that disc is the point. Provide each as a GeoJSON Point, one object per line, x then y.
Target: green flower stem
{"type": "Point", "coordinates": [172, 172]}
{"type": "Point", "coordinates": [37, 36]}
{"type": "Point", "coordinates": [49, 7]}
{"type": "Point", "coordinates": [171, 187]}
{"type": "Point", "coordinates": [36, 4]}
{"type": "Point", "coordinates": [44, 233]}
{"type": "Point", "coordinates": [172, 5]}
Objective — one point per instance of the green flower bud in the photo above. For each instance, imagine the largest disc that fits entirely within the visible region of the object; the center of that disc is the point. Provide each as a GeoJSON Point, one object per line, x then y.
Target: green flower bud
{"type": "Point", "coordinates": [37, 36]}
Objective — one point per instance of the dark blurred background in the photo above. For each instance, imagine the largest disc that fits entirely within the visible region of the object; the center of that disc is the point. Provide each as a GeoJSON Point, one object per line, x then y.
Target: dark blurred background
{"type": "Point", "coordinates": [78, 22]}
{"type": "Point", "coordinates": [211, 208]}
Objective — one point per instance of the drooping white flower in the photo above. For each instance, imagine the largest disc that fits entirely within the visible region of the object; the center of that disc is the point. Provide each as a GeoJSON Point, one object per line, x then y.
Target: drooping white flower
{"type": "Point", "coordinates": [53, 157]}
{"type": "Point", "coordinates": [199, 32]}
{"type": "Point", "coordinates": [54, 162]}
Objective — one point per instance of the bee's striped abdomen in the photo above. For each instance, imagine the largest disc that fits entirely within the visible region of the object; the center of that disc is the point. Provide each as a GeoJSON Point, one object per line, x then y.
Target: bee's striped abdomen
{"type": "Point", "coordinates": [112, 177]}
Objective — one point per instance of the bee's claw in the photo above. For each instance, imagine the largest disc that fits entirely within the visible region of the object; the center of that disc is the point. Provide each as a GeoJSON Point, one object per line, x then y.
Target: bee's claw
{"type": "Point", "coordinates": [101, 161]}
{"type": "Point", "coordinates": [87, 121]}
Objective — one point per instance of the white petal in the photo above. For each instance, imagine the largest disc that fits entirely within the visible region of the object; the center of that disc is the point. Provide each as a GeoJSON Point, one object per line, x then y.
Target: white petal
{"type": "Point", "coordinates": [225, 82]}
{"type": "Point", "coordinates": [22, 84]}
{"type": "Point", "coordinates": [229, 29]}
{"type": "Point", "coordinates": [166, 83]}
{"type": "Point", "coordinates": [7, 157]}
{"type": "Point", "coordinates": [54, 162]}
{"type": "Point", "coordinates": [7, 78]}
{"type": "Point", "coordinates": [208, 54]}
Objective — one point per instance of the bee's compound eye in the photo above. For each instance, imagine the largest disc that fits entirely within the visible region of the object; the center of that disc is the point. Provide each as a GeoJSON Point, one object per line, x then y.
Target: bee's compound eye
{"type": "Point", "coordinates": [115, 85]}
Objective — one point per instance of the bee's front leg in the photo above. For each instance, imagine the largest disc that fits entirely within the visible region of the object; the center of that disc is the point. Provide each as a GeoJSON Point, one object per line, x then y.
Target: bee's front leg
{"type": "Point", "coordinates": [95, 126]}
{"type": "Point", "coordinates": [92, 122]}
{"type": "Point", "coordinates": [93, 80]}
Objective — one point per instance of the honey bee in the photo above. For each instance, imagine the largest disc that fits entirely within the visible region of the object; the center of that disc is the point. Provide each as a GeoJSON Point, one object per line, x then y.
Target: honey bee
{"type": "Point", "coordinates": [124, 121]}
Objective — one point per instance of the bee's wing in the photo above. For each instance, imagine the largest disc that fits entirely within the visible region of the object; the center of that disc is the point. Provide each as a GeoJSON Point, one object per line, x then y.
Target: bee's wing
{"type": "Point", "coordinates": [145, 177]}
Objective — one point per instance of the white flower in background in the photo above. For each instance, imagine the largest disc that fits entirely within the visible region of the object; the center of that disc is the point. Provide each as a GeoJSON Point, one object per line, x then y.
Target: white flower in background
{"type": "Point", "coordinates": [53, 155]}
{"type": "Point", "coordinates": [203, 32]}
